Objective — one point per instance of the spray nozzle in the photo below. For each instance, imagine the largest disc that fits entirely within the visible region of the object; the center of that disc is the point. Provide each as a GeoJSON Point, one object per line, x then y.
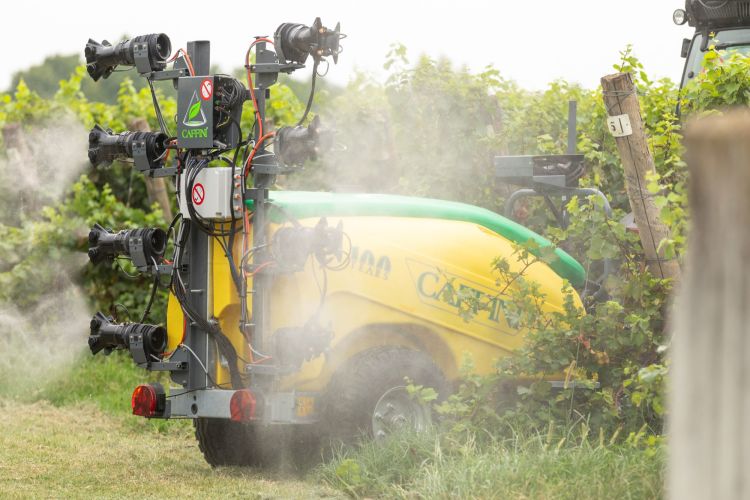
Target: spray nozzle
{"type": "Point", "coordinates": [145, 342]}
{"type": "Point", "coordinates": [295, 145]}
{"type": "Point", "coordinates": [294, 42]}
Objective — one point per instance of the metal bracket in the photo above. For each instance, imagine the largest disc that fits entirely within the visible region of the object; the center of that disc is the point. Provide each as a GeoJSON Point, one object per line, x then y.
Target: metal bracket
{"type": "Point", "coordinates": [271, 169]}
{"type": "Point", "coordinates": [275, 67]}
{"type": "Point", "coordinates": [135, 344]}
{"type": "Point", "coordinates": [140, 54]}
{"type": "Point", "coordinates": [261, 369]}
{"type": "Point", "coordinates": [166, 366]}
{"type": "Point", "coordinates": [171, 74]}
{"type": "Point", "coordinates": [140, 158]}
{"type": "Point", "coordinates": [161, 172]}
{"type": "Point", "coordinates": [136, 252]}
{"type": "Point", "coordinates": [165, 269]}
{"type": "Point", "coordinates": [540, 170]}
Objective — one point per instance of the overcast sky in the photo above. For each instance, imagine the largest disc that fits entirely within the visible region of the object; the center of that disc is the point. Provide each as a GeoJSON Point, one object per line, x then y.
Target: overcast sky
{"type": "Point", "coordinates": [530, 41]}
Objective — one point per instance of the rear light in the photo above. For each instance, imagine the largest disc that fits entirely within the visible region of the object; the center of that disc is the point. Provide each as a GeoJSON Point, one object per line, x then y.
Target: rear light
{"type": "Point", "coordinates": [149, 400]}
{"type": "Point", "coordinates": [242, 406]}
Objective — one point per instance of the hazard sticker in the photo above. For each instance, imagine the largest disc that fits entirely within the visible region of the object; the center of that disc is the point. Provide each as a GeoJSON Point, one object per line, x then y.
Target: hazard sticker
{"type": "Point", "coordinates": [199, 194]}
{"type": "Point", "coordinates": [207, 89]}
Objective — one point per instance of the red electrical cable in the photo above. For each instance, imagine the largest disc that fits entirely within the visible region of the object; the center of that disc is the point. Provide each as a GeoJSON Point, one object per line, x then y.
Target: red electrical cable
{"type": "Point", "coordinates": [250, 82]}
{"type": "Point", "coordinates": [260, 267]}
{"type": "Point", "coordinates": [248, 164]}
{"type": "Point", "coordinates": [246, 235]}
{"type": "Point", "coordinates": [187, 60]}
{"type": "Point", "coordinates": [249, 161]}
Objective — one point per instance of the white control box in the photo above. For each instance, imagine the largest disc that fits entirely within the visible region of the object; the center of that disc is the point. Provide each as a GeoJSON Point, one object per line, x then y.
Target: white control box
{"type": "Point", "coordinates": [211, 194]}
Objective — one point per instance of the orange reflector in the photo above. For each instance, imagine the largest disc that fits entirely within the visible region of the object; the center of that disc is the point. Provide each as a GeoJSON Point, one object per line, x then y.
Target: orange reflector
{"type": "Point", "coordinates": [242, 406]}
{"type": "Point", "coordinates": [148, 400]}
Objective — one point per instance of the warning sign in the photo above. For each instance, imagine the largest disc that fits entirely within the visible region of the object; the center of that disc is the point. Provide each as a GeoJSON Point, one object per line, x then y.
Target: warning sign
{"type": "Point", "coordinates": [207, 89]}
{"type": "Point", "coordinates": [199, 194]}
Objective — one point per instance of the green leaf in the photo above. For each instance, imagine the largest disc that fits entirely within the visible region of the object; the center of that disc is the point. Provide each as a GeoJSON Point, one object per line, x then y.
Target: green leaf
{"type": "Point", "coordinates": [194, 110]}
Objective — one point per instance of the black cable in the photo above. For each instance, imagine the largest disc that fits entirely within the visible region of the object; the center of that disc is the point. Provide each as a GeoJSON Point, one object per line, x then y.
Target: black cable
{"type": "Point", "coordinates": [113, 310]}
{"type": "Point", "coordinates": [223, 343]}
{"type": "Point", "coordinates": [230, 244]}
{"type": "Point", "coordinates": [213, 385]}
{"type": "Point", "coordinates": [312, 94]}
{"type": "Point", "coordinates": [123, 271]}
{"type": "Point", "coordinates": [157, 109]}
{"type": "Point", "coordinates": [344, 261]}
{"type": "Point", "coordinates": [170, 229]}
{"type": "Point", "coordinates": [154, 287]}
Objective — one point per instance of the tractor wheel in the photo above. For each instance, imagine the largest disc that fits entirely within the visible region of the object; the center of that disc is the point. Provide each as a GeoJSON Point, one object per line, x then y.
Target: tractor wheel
{"type": "Point", "coordinates": [367, 397]}
{"type": "Point", "coordinates": [224, 442]}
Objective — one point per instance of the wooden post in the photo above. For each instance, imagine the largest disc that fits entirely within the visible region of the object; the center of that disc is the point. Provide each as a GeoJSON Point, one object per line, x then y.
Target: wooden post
{"type": "Point", "coordinates": [620, 99]}
{"type": "Point", "coordinates": [709, 413]}
{"type": "Point", "coordinates": [156, 188]}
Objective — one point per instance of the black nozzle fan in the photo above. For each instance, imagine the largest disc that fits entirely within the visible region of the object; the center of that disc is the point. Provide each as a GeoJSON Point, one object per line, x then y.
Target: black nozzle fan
{"type": "Point", "coordinates": [143, 246]}
{"type": "Point", "coordinates": [297, 41]}
{"type": "Point", "coordinates": [145, 342]}
{"type": "Point", "coordinates": [105, 146]}
{"type": "Point", "coordinates": [146, 52]}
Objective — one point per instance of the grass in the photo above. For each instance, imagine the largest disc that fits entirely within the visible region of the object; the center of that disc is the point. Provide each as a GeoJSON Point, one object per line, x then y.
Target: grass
{"type": "Point", "coordinates": [75, 437]}
{"type": "Point", "coordinates": [105, 382]}
{"type": "Point", "coordinates": [424, 466]}
{"type": "Point", "coordinates": [80, 452]}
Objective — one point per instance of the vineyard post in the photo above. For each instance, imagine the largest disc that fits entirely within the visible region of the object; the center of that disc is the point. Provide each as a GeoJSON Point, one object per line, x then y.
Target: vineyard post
{"type": "Point", "coordinates": [621, 101]}
{"type": "Point", "coordinates": [710, 381]}
{"type": "Point", "coordinates": [156, 187]}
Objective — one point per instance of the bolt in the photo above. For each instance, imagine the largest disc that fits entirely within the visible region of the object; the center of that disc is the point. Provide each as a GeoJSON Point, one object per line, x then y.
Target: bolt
{"type": "Point", "coordinates": [378, 416]}
{"type": "Point", "coordinates": [380, 434]}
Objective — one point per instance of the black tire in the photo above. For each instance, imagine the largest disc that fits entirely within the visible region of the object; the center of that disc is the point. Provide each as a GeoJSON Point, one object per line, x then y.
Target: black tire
{"type": "Point", "coordinates": [228, 443]}
{"type": "Point", "coordinates": [224, 442]}
{"type": "Point", "coordinates": [356, 388]}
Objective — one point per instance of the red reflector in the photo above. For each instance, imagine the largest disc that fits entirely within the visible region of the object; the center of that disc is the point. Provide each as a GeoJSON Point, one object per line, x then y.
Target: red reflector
{"type": "Point", "coordinates": [242, 406]}
{"type": "Point", "coordinates": [145, 401]}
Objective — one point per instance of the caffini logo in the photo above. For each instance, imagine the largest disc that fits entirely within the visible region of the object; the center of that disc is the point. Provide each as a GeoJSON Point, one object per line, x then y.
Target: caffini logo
{"type": "Point", "coordinates": [441, 289]}
{"type": "Point", "coordinates": [194, 117]}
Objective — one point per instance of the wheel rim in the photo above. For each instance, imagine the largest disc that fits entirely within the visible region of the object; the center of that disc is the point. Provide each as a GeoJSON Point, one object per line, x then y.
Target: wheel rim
{"type": "Point", "coordinates": [397, 410]}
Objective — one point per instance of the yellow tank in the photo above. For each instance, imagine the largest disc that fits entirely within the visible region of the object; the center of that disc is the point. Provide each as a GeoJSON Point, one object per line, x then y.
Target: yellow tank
{"type": "Point", "coordinates": [404, 253]}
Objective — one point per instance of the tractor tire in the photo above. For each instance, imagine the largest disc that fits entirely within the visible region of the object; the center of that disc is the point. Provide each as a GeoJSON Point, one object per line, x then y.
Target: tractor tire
{"type": "Point", "coordinates": [224, 442]}
{"type": "Point", "coordinates": [228, 443]}
{"type": "Point", "coordinates": [360, 386]}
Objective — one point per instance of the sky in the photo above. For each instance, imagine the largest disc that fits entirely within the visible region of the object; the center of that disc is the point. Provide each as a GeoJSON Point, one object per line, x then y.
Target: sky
{"type": "Point", "coordinates": [531, 42]}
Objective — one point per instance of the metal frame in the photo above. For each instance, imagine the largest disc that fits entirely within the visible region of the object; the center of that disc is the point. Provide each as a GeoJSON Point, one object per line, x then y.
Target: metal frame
{"type": "Point", "coordinates": [277, 407]}
{"type": "Point", "coordinates": [520, 168]}
{"type": "Point", "coordinates": [266, 68]}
